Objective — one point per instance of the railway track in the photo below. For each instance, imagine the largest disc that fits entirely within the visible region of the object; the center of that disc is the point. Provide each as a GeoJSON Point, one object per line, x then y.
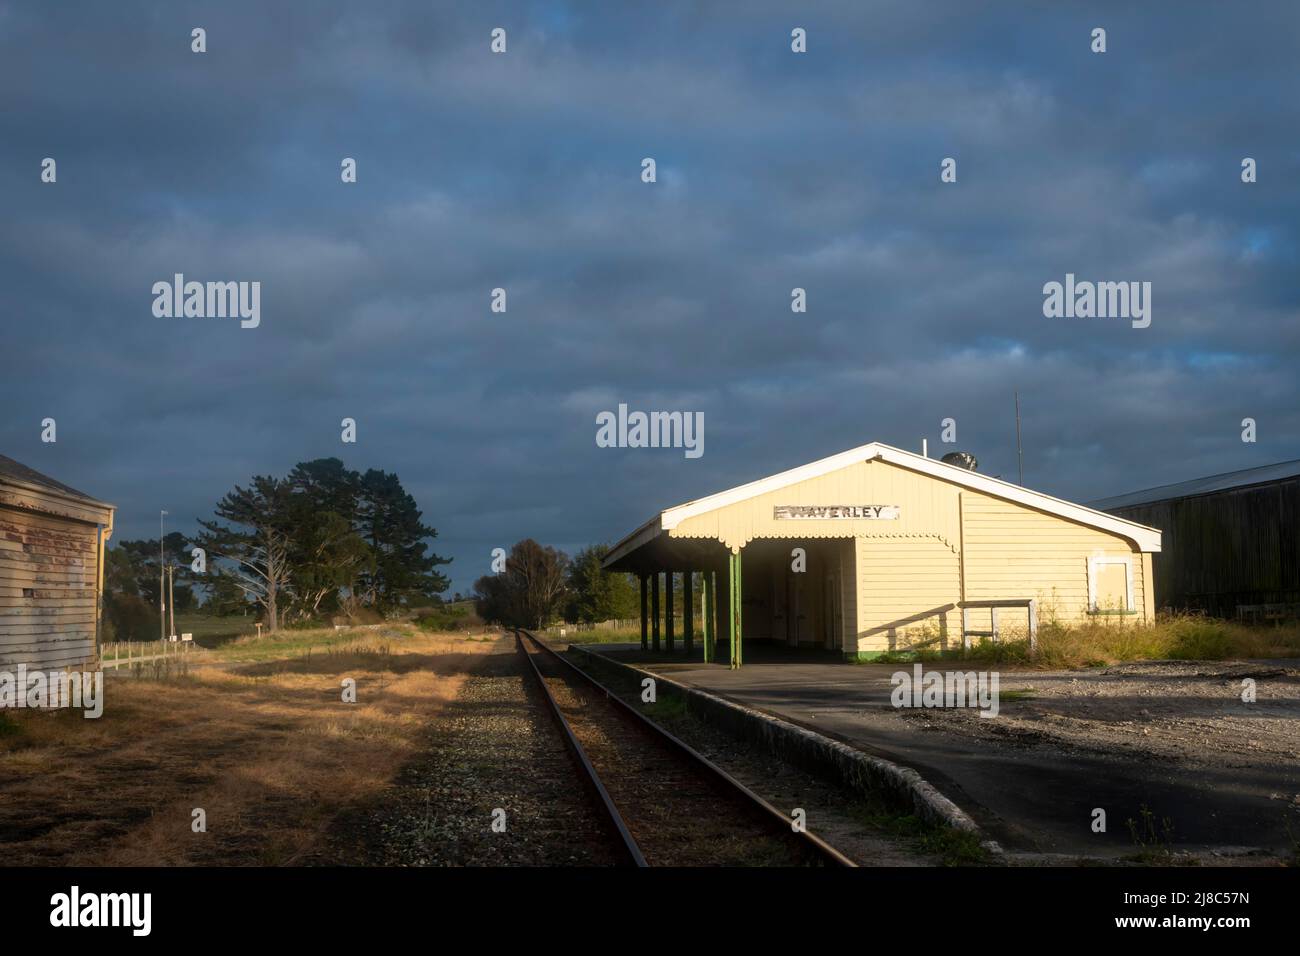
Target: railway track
{"type": "Point", "coordinates": [663, 803]}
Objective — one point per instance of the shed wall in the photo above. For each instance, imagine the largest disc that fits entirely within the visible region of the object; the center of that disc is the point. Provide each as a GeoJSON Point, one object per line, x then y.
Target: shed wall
{"type": "Point", "coordinates": [1221, 550]}
{"type": "Point", "coordinates": [48, 590]}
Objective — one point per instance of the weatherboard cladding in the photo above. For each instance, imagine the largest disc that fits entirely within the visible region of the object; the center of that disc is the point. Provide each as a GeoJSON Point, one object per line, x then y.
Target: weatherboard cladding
{"type": "Point", "coordinates": [49, 569]}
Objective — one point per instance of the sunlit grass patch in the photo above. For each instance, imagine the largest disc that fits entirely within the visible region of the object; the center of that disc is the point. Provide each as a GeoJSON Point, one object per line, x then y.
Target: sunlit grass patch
{"type": "Point", "coordinates": [267, 747]}
{"type": "Point", "coordinates": [294, 643]}
{"type": "Point", "coordinates": [1097, 643]}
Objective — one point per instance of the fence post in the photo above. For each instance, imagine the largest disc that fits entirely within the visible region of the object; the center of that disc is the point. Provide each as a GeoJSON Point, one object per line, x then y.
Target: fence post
{"type": "Point", "coordinates": [1033, 625]}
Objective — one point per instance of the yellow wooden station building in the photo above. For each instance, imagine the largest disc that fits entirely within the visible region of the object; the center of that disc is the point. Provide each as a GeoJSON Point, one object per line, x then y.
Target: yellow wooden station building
{"type": "Point", "coordinates": [876, 550]}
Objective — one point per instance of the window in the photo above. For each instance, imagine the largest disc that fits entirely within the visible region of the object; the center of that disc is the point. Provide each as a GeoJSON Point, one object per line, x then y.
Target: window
{"type": "Point", "coordinates": [1110, 585]}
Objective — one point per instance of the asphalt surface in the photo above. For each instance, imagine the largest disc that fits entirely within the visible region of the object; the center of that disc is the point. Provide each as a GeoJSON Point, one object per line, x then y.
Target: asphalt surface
{"type": "Point", "coordinates": [1029, 797]}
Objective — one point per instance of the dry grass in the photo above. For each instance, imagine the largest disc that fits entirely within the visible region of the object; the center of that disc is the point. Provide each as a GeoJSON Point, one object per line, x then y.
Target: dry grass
{"type": "Point", "coordinates": [1170, 637]}
{"type": "Point", "coordinates": [267, 748]}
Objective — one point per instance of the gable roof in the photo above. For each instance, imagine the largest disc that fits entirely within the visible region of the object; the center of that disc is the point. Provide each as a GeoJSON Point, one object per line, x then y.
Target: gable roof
{"type": "Point", "coordinates": [1203, 486]}
{"type": "Point", "coordinates": [1147, 539]}
{"type": "Point", "coordinates": [15, 472]}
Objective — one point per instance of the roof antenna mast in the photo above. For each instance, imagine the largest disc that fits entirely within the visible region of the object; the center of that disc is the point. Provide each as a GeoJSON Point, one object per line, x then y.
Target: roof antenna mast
{"type": "Point", "coordinates": [1020, 454]}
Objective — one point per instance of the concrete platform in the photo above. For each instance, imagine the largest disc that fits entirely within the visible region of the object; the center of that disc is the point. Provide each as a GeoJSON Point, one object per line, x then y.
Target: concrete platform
{"type": "Point", "coordinates": [1029, 796]}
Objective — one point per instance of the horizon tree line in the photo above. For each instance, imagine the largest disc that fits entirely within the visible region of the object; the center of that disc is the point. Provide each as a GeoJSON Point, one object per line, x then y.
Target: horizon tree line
{"type": "Point", "coordinates": [540, 583]}
{"type": "Point", "coordinates": [322, 540]}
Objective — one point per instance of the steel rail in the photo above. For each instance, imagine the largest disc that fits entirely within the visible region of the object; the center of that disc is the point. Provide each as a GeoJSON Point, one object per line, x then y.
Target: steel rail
{"type": "Point", "coordinates": [810, 841]}
{"type": "Point", "coordinates": [628, 848]}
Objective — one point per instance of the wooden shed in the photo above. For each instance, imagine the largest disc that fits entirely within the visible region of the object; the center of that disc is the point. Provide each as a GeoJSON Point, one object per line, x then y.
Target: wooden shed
{"type": "Point", "coordinates": [1232, 541]}
{"type": "Point", "coordinates": [52, 540]}
{"type": "Point", "coordinates": [898, 551]}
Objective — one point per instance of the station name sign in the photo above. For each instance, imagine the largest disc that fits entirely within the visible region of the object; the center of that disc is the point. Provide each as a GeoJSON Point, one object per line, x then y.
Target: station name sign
{"type": "Point", "coordinates": [833, 512]}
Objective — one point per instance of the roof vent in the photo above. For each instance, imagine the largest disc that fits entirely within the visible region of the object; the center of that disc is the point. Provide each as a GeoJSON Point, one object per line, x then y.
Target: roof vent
{"type": "Point", "coordinates": [961, 459]}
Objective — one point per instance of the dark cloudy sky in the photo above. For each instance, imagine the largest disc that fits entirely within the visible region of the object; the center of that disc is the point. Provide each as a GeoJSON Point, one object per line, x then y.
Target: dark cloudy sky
{"type": "Point", "coordinates": [522, 171]}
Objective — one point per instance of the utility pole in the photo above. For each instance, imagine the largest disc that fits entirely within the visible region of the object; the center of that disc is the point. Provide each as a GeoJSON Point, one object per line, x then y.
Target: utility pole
{"type": "Point", "coordinates": [171, 598]}
{"type": "Point", "coordinates": [1020, 455]}
{"type": "Point", "coordinates": [162, 574]}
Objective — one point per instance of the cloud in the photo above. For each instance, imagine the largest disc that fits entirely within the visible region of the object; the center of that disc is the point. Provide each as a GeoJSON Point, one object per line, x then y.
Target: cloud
{"type": "Point", "coordinates": [522, 171]}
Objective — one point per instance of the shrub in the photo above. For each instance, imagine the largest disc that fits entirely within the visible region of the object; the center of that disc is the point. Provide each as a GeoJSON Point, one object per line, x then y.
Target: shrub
{"type": "Point", "coordinates": [448, 618]}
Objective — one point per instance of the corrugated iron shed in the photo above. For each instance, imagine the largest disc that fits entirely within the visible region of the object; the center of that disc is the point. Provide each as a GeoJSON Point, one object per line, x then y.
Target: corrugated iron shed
{"type": "Point", "coordinates": [1202, 486]}
{"type": "Point", "coordinates": [1232, 541]}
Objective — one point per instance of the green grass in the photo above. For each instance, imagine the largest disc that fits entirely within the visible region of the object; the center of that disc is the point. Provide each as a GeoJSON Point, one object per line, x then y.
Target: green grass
{"type": "Point", "coordinates": [448, 617]}
{"type": "Point", "coordinates": [210, 631]}
{"type": "Point", "coordinates": [952, 847]}
{"type": "Point", "coordinates": [594, 637]}
{"type": "Point", "coordinates": [1154, 839]}
{"type": "Point", "coordinates": [670, 708]}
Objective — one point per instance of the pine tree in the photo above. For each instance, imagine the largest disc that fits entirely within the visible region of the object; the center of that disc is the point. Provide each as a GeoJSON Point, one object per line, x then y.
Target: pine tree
{"type": "Point", "coordinates": [327, 555]}
{"type": "Point", "coordinates": [389, 521]}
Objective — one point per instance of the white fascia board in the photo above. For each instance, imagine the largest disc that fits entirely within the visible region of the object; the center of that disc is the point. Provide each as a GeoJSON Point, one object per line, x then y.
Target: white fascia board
{"type": "Point", "coordinates": [674, 516]}
{"type": "Point", "coordinates": [1147, 539]}
{"type": "Point", "coordinates": [642, 535]}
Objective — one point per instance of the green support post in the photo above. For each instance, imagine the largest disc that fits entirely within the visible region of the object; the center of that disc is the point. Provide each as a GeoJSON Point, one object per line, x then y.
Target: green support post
{"type": "Point", "coordinates": [710, 598]}
{"type": "Point", "coordinates": [654, 610]}
{"type": "Point", "coordinates": [645, 617]}
{"type": "Point", "coordinates": [669, 625]}
{"type": "Point", "coordinates": [734, 603]}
